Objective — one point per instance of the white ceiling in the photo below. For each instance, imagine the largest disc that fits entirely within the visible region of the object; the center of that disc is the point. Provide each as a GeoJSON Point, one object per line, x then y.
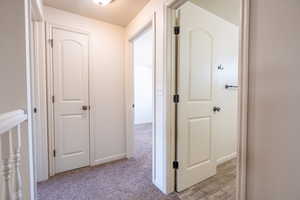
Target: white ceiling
{"type": "Point", "coordinates": [119, 12]}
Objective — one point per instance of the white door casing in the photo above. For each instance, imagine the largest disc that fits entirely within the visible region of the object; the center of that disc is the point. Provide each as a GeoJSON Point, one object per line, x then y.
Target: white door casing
{"type": "Point", "coordinates": [203, 46]}
{"type": "Point", "coordinates": [71, 93]}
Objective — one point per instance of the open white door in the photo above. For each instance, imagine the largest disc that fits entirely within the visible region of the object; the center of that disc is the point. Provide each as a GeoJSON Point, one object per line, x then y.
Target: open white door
{"type": "Point", "coordinates": [71, 110]}
{"type": "Point", "coordinates": [203, 46]}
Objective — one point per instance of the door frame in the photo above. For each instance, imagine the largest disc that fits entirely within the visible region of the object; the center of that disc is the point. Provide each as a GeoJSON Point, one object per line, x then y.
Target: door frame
{"type": "Point", "coordinates": [150, 24]}
{"type": "Point", "coordinates": [170, 21]}
{"type": "Point", "coordinates": [49, 92]}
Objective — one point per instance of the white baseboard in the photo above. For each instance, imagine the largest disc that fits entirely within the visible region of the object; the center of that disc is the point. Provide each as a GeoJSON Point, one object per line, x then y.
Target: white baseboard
{"type": "Point", "coordinates": [226, 158]}
{"type": "Point", "coordinates": [159, 186]}
{"type": "Point", "coordinates": [143, 124]}
{"type": "Point", "coordinates": [109, 159]}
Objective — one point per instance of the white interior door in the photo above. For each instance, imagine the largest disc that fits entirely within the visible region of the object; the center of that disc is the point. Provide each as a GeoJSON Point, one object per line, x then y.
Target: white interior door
{"type": "Point", "coordinates": [204, 45]}
{"type": "Point", "coordinates": [71, 110]}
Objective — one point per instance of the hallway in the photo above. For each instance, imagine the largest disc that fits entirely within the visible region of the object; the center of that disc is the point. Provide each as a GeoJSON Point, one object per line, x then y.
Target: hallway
{"type": "Point", "coordinates": [131, 180]}
{"type": "Point", "coordinates": [120, 180]}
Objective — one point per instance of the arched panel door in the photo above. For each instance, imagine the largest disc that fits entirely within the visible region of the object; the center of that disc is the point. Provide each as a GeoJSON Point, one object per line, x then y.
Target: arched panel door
{"type": "Point", "coordinates": [205, 41]}
{"type": "Point", "coordinates": [71, 99]}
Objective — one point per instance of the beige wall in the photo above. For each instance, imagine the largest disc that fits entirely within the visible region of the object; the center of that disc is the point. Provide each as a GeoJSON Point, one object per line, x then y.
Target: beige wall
{"type": "Point", "coordinates": [12, 55]}
{"type": "Point", "coordinates": [226, 9]}
{"type": "Point", "coordinates": [13, 86]}
{"type": "Point", "coordinates": [274, 125]}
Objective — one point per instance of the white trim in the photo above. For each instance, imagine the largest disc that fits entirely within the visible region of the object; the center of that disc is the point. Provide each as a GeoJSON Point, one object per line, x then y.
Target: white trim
{"type": "Point", "coordinates": [169, 107]}
{"type": "Point", "coordinates": [143, 124]}
{"type": "Point", "coordinates": [10, 120]}
{"type": "Point", "coordinates": [168, 139]}
{"type": "Point", "coordinates": [109, 159]}
{"type": "Point", "coordinates": [154, 100]}
{"type": "Point", "coordinates": [40, 99]}
{"type": "Point", "coordinates": [29, 68]}
{"type": "Point", "coordinates": [49, 89]}
{"type": "Point", "coordinates": [226, 158]}
{"type": "Point", "coordinates": [129, 101]}
{"type": "Point", "coordinates": [92, 102]}
{"type": "Point", "coordinates": [169, 14]}
{"type": "Point", "coordinates": [243, 100]}
{"type": "Point", "coordinates": [11, 114]}
{"type": "Point", "coordinates": [140, 31]}
{"type": "Point", "coordinates": [37, 13]}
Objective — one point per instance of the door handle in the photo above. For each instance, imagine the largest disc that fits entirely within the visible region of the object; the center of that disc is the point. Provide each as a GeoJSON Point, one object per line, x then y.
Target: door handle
{"type": "Point", "coordinates": [85, 107]}
{"type": "Point", "coordinates": [216, 109]}
{"type": "Point", "coordinates": [231, 86]}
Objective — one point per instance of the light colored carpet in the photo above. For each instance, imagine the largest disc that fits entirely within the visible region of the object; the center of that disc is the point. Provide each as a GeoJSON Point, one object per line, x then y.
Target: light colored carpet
{"type": "Point", "coordinates": [120, 180]}
{"type": "Point", "coordinates": [131, 180]}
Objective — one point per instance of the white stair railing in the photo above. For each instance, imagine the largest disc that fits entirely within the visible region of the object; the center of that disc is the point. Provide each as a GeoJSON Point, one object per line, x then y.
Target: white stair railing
{"type": "Point", "coordinates": [10, 142]}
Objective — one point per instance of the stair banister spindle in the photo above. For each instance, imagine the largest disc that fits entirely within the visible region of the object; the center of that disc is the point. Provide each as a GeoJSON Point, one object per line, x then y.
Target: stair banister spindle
{"type": "Point", "coordinates": [16, 162]}
{"type": "Point", "coordinates": [10, 154]}
{"type": "Point", "coordinates": [6, 165]}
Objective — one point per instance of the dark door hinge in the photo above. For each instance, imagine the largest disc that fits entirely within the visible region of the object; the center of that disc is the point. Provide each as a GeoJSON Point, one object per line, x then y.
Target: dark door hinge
{"type": "Point", "coordinates": [176, 30]}
{"type": "Point", "coordinates": [34, 110]}
{"type": "Point", "coordinates": [175, 164]}
{"type": "Point", "coordinates": [54, 153]}
{"type": "Point", "coordinates": [51, 43]}
{"type": "Point", "coordinates": [176, 98]}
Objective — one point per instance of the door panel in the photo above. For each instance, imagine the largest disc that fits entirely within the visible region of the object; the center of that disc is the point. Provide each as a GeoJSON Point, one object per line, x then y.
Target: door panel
{"type": "Point", "coordinates": [203, 44]}
{"type": "Point", "coordinates": [200, 59]}
{"type": "Point", "coordinates": [199, 140]}
{"type": "Point", "coordinates": [72, 80]}
{"type": "Point", "coordinates": [70, 72]}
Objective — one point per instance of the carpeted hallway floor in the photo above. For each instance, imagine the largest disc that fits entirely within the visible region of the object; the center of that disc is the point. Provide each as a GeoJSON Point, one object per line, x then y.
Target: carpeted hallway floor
{"type": "Point", "coordinates": [131, 180]}
{"type": "Point", "coordinates": [120, 180]}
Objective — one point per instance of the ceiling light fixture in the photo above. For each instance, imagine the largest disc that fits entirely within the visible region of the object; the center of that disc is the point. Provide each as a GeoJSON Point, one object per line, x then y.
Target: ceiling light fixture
{"type": "Point", "coordinates": [102, 2]}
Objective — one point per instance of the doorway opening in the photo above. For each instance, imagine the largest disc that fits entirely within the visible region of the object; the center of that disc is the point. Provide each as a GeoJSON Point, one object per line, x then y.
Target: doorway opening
{"type": "Point", "coordinates": [143, 97]}
{"type": "Point", "coordinates": [207, 82]}
{"type": "Point", "coordinates": [161, 145]}
{"type": "Point", "coordinates": [208, 48]}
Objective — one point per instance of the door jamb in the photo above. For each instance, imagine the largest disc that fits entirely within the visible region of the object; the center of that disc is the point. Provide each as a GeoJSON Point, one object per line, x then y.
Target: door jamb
{"type": "Point", "coordinates": [151, 23]}
{"type": "Point", "coordinates": [40, 122]}
{"type": "Point", "coordinates": [169, 16]}
{"type": "Point", "coordinates": [49, 91]}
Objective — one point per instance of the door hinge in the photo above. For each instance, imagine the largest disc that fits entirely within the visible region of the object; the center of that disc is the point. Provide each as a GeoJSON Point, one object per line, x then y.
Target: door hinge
{"type": "Point", "coordinates": [176, 30]}
{"type": "Point", "coordinates": [175, 164]}
{"type": "Point", "coordinates": [53, 99]}
{"type": "Point", "coordinates": [51, 42]}
{"type": "Point", "coordinates": [176, 98]}
{"type": "Point", "coordinates": [34, 110]}
{"type": "Point", "coordinates": [54, 153]}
